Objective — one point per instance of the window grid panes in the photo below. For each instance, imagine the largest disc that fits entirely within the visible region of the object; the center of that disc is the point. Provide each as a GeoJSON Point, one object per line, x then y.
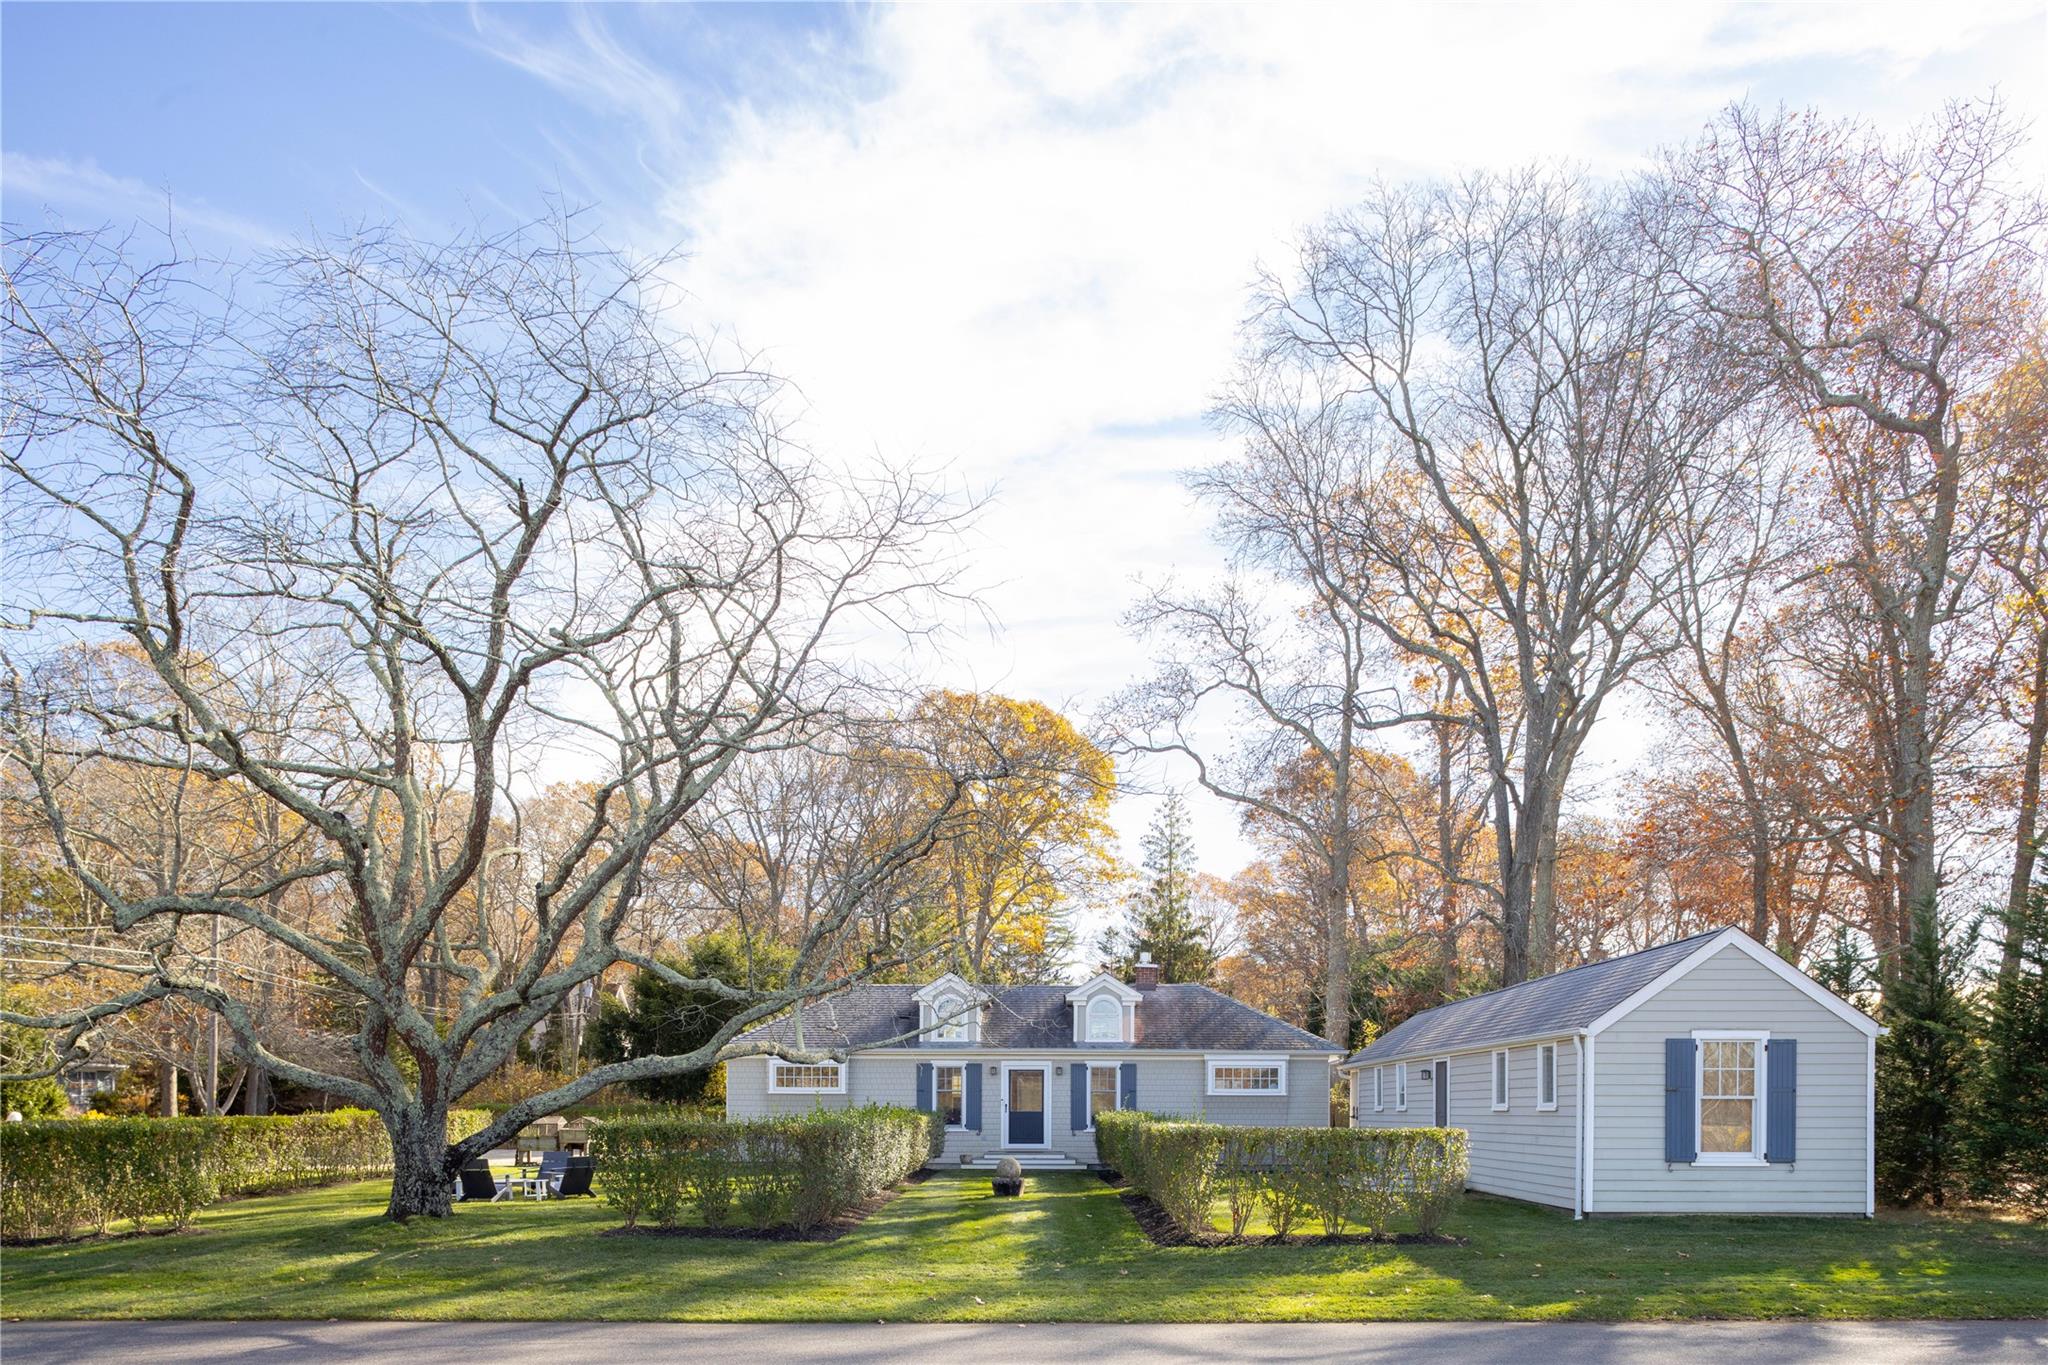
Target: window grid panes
{"type": "Point", "coordinates": [1727, 1095]}
{"type": "Point", "coordinates": [1102, 1092]}
{"type": "Point", "coordinates": [789, 1076]}
{"type": "Point", "coordinates": [1245, 1078]}
{"type": "Point", "coordinates": [951, 1095]}
{"type": "Point", "coordinates": [948, 1030]}
{"type": "Point", "coordinates": [1105, 1020]}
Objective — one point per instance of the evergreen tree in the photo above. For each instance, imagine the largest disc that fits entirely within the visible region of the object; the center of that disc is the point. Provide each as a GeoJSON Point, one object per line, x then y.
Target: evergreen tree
{"type": "Point", "coordinates": [1161, 917]}
{"type": "Point", "coordinates": [1843, 970]}
{"type": "Point", "coordinates": [2008, 1111]}
{"type": "Point", "coordinates": [1923, 1064]}
{"type": "Point", "coordinates": [668, 1019]}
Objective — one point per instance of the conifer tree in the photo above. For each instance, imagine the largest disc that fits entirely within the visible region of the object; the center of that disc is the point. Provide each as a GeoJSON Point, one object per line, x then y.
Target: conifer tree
{"type": "Point", "coordinates": [1924, 1062]}
{"type": "Point", "coordinates": [2008, 1110]}
{"type": "Point", "coordinates": [1161, 917]}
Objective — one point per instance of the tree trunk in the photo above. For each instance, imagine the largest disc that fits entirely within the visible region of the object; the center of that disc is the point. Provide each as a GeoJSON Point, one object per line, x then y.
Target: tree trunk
{"type": "Point", "coordinates": [1336, 960]}
{"type": "Point", "coordinates": [422, 1168]}
{"type": "Point", "coordinates": [167, 1090]}
{"type": "Point", "coordinates": [2025, 847]}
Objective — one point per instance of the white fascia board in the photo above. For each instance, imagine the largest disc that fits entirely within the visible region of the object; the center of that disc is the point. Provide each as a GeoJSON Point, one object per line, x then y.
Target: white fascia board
{"type": "Point", "coordinates": [1110, 1052]}
{"type": "Point", "coordinates": [1468, 1049]}
{"type": "Point", "coordinates": [1103, 983]}
{"type": "Point", "coordinates": [1732, 937]}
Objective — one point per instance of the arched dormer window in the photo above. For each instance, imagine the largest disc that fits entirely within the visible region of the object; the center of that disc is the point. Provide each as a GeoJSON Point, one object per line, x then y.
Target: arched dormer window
{"type": "Point", "coordinates": [949, 1018]}
{"type": "Point", "coordinates": [1105, 1020]}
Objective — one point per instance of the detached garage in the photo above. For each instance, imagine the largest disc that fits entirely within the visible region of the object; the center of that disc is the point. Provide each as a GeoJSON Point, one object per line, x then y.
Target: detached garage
{"type": "Point", "coordinates": [1703, 1076]}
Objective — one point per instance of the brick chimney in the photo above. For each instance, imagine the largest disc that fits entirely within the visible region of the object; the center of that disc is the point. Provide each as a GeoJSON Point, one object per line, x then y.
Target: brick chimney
{"type": "Point", "coordinates": [1148, 972]}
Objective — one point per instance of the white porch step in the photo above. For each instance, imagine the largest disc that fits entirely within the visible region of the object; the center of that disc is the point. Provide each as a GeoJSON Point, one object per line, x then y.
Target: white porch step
{"type": "Point", "coordinates": [1030, 1161]}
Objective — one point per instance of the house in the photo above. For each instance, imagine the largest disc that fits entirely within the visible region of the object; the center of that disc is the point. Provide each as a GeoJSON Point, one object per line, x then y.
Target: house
{"type": "Point", "coordinates": [1023, 1070]}
{"type": "Point", "coordinates": [1706, 1075]}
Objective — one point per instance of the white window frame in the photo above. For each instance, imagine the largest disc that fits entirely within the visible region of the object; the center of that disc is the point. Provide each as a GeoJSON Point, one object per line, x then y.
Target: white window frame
{"type": "Point", "coordinates": [1379, 1090]}
{"type": "Point", "coordinates": [1546, 1052]}
{"type": "Point", "coordinates": [1212, 1063]}
{"type": "Point", "coordinates": [1755, 1155]}
{"type": "Point", "coordinates": [1116, 1089]}
{"type": "Point", "coordinates": [1088, 1020]}
{"type": "Point", "coordinates": [776, 1087]}
{"type": "Point", "coordinates": [960, 1029]}
{"type": "Point", "coordinates": [1400, 1087]}
{"type": "Point", "coordinates": [1500, 1072]}
{"type": "Point", "coordinates": [961, 1067]}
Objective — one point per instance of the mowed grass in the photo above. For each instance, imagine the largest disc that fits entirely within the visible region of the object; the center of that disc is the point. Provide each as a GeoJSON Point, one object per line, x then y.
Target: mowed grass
{"type": "Point", "coordinates": [1068, 1251]}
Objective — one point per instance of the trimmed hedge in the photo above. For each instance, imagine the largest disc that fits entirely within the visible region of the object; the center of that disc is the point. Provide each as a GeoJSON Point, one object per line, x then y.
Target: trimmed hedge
{"type": "Point", "coordinates": [798, 1171]}
{"type": "Point", "coordinates": [59, 1176]}
{"type": "Point", "coordinates": [1385, 1180]}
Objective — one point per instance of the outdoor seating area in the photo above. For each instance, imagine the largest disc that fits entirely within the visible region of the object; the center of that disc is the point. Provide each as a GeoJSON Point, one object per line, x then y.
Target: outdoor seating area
{"type": "Point", "coordinates": [551, 1160]}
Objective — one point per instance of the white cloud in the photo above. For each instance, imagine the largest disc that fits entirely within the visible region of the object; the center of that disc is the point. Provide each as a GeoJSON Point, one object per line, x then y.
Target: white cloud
{"type": "Point", "coordinates": [81, 189]}
{"type": "Point", "coordinates": [1001, 237]}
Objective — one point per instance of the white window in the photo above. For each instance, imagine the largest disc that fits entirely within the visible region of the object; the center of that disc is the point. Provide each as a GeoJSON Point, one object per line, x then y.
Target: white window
{"type": "Point", "coordinates": [1500, 1079]}
{"type": "Point", "coordinates": [1546, 1076]}
{"type": "Point", "coordinates": [1730, 1097]}
{"type": "Point", "coordinates": [800, 1078]}
{"type": "Point", "coordinates": [1247, 1076]}
{"type": "Point", "coordinates": [949, 1020]}
{"type": "Point", "coordinates": [1104, 1094]}
{"type": "Point", "coordinates": [1379, 1088]}
{"type": "Point", "coordinates": [949, 1091]}
{"type": "Point", "coordinates": [1401, 1086]}
{"type": "Point", "coordinates": [1105, 1020]}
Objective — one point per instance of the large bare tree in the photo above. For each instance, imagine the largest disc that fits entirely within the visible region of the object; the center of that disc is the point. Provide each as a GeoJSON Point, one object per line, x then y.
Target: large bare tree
{"type": "Point", "coordinates": [501, 520]}
{"type": "Point", "coordinates": [1526, 395]}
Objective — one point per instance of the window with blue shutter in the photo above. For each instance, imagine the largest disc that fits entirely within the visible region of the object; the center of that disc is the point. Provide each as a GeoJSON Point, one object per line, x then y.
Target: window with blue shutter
{"type": "Point", "coordinates": [1679, 1139]}
{"type": "Point", "coordinates": [924, 1086]}
{"type": "Point", "coordinates": [971, 1095]}
{"type": "Point", "coordinates": [1781, 1104]}
{"type": "Point", "coordinates": [1079, 1092]}
{"type": "Point", "coordinates": [1127, 1080]}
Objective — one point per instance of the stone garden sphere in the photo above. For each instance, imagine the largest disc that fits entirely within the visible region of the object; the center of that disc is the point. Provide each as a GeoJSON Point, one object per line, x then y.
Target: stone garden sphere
{"type": "Point", "coordinates": [1008, 1169]}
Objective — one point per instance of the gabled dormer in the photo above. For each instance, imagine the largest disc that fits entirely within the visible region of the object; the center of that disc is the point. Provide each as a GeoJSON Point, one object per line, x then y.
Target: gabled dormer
{"type": "Point", "coordinates": [949, 1011]}
{"type": "Point", "coordinates": [1105, 1011]}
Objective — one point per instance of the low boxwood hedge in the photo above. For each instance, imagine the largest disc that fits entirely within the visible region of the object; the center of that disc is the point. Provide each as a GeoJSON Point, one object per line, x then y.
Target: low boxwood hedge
{"type": "Point", "coordinates": [798, 1171]}
{"type": "Point", "coordinates": [1382, 1180]}
{"type": "Point", "coordinates": [62, 1175]}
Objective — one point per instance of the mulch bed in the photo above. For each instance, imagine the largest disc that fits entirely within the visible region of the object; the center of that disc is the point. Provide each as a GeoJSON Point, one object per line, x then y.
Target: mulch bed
{"type": "Point", "coordinates": [1163, 1231]}
{"type": "Point", "coordinates": [830, 1231]}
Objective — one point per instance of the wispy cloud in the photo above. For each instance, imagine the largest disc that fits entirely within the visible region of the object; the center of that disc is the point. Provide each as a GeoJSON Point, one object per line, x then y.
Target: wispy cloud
{"type": "Point", "coordinates": [79, 190]}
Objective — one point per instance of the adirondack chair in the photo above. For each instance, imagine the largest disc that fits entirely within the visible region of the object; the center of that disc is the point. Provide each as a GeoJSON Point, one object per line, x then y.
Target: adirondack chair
{"type": "Point", "coordinates": [478, 1183]}
{"type": "Point", "coordinates": [576, 1178]}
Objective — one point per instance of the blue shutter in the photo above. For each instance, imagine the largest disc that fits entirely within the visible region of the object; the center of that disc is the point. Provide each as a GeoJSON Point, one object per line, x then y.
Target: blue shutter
{"type": "Point", "coordinates": [970, 1096]}
{"type": "Point", "coordinates": [1781, 1106]}
{"type": "Point", "coordinates": [1679, 1138]}
{"type": "Point", "coordinates": [1127, 1086]}
{"type": "Point", "coordinates": [924, 1086]}
{"type": "Point", "coordinates": [1079, 1090]}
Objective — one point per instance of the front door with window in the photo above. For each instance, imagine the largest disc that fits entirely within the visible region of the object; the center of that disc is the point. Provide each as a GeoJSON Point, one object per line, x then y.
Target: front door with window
{"type": "Point", "coordinates": [1025, 1109]}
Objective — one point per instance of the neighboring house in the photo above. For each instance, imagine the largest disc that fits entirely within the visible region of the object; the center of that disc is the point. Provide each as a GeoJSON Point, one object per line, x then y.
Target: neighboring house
{"type": "Point", "coordinates": [1023, 1070]}
{"type": "Point", "coordinates": [1706, 1075]}
{"type": "Point", "coordinates": [87, 1079]}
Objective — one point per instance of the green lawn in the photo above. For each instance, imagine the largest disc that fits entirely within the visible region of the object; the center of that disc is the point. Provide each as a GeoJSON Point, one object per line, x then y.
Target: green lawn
{"type": "Point", "coordinates": [1068, 1251]}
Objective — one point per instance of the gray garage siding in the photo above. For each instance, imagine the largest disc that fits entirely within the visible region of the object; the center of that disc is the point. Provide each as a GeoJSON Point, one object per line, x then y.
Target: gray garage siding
{"type": "Point", "coordinates": [1166, 1085]}
{"type": "Point", "coordinates": [1730, 991]}
{"type": "Point", "coordinates": [1523, 1152]}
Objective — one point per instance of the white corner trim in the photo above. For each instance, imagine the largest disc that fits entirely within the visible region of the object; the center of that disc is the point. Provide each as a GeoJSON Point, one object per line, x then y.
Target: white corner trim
{"type": "Point", "coordinates": [1870, 1130]}
{"type": "Point", "coordinates": [1732, 937]}
{"type": "Point", "coordinates": [1589, 1093]}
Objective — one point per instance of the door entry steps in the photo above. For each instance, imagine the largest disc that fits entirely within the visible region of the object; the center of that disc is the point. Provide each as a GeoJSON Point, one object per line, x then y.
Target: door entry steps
{"type": "Point", "coordinates": [1030, 1161]}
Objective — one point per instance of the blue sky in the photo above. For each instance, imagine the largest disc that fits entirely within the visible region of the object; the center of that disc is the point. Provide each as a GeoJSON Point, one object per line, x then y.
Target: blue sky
{"type": "Point", "coordinates": [1011, 242]}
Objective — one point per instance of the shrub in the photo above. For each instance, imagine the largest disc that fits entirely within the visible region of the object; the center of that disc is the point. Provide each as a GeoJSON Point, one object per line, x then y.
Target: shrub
{"type": "Point", "coordinates": [1384, 1180]}
{"type": "Point", "coordinates": [798, 1171]}
{"type": "Point", "coordinates": [57, 1177]}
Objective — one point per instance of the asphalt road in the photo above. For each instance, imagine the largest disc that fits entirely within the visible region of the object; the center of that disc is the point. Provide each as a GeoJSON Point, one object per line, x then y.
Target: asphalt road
{"type": "Point", "coordinates": [1418, 1343]}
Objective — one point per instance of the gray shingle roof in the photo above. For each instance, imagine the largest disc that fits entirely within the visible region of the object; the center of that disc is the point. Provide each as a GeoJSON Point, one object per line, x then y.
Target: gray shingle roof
{"type": "Point", "coordinates": [1557, 1003]}
{"type": "Point", "coordinates": [1171, 1017]}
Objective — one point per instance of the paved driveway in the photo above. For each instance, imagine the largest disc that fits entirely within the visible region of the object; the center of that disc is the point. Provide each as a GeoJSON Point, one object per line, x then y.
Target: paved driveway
{"type": "Point", "coordinates": [1418, 1343]}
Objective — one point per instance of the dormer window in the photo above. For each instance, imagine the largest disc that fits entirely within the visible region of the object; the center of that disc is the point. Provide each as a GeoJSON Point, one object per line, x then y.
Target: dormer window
{"type": "Point", "coordinates": [949, 1020]}
{"type": "Point", "coordinates": [1105, 1020]}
